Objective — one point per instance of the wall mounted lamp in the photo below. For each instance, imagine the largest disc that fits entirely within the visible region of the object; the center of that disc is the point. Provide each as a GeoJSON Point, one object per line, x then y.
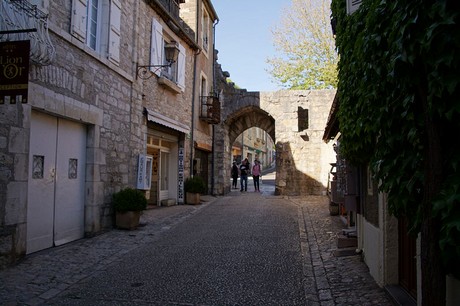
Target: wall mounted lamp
{"type": "Point", "coordinates": [171, 51]}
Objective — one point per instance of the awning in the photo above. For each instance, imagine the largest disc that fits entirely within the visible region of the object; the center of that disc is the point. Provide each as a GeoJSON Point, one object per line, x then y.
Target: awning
{"type": "Point", "coordinates": [332, 125]}
{"type": "Point", "coordinates": [166, 121]}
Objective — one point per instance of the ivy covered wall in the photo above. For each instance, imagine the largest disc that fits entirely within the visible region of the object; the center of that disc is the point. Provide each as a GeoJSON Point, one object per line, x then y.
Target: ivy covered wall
{"type": "Point", "coordinates": [399, 111]}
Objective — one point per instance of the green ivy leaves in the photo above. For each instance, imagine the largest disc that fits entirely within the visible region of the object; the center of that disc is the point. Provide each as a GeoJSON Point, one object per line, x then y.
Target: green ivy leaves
{"type": "Point", "coordinates": [398, 73]}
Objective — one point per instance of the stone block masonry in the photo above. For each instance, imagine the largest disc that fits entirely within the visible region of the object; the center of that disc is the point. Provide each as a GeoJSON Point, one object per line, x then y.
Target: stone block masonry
{"type": "Point", "coordinates": [302, 158]}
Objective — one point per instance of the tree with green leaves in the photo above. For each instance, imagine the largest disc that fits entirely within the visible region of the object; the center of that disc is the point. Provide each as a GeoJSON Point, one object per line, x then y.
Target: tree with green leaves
{"type": "Point", "coordinates": [304, 40]}
{"type": "Point", "coordinates": [399, 109]}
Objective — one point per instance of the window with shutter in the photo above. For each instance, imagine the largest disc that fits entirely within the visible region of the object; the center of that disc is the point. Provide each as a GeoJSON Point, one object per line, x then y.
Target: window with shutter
{"type": "Point", "coordinates": [97, 23]}
{"type": "Point", "coordinates": [114, 33]}
{"type": "Point", "coordinates": [79, 16]}
{"type": "Point", "coordinates": [156, 46]}
{"type": "Point", "coordinates": [94, 24]}
{"type": "Point", "coordinates": [205, 29]}
{"type": "Point", "coordinates": [181, 67]}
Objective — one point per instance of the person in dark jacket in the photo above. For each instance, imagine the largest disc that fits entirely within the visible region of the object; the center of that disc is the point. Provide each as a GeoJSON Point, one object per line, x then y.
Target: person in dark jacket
{"type": "Point", "coordinates": [234, 175]}
{"type": "Point", "coordinates": [244, 171]}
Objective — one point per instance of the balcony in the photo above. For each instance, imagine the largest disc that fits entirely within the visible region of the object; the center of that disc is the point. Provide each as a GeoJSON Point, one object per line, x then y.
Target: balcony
{"type": "Point", "coordinates": [171, 6]}
{"type": "Point", "coordinates": [169, 10]}
{"type": "Point", "coordinates": [210, 109]}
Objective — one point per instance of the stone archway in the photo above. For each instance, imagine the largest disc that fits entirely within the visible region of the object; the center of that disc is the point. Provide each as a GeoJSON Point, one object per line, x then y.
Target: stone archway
{"type": "Point", "coordinates": [296, 117]}
{"type": "Point", "coordinates": [248, 117]}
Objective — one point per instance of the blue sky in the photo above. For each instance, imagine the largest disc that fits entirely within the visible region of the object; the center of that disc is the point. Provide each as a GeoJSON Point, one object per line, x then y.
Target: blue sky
{"type": "Point", "coordinates": [244, 40]}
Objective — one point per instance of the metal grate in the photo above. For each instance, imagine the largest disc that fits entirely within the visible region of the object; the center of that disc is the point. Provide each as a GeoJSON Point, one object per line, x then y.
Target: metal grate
{"type": "Point", "coordinates": [73, 168]}
{"type": "Point", "coordinates": [38, 166]}
{"type": "Point", "coordinates": [210, 109]}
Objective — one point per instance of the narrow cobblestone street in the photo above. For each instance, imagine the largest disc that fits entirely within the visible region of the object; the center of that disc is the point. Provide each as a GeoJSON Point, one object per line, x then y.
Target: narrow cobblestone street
{"type": "Point", "coordinates": [241, 249]}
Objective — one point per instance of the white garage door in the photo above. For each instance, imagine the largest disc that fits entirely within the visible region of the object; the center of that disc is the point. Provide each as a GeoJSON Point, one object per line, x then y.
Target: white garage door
{"type": "Point", "coordinates": [55, 212]}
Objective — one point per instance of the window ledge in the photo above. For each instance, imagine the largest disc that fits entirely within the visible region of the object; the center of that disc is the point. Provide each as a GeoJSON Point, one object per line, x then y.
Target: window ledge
{"type": "Point", "coordinates": [169, 85]}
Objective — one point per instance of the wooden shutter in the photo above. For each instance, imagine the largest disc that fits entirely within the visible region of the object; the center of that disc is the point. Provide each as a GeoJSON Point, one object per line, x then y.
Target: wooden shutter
{"type": "Point", "coordinates": [156, 47]}
{"type": "Point", "coordinates": [114, 32]}
{"type": "Point", "coordinates": [79, 18]}
{"type": "Point", "coordinates": [181, 67]}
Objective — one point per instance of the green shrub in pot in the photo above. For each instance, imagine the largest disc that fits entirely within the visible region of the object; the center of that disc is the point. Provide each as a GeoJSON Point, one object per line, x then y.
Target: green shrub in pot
{"type": "Point", "coordinates": [195, 184]}
{"type": "Point", "coordinates": [129, 199]}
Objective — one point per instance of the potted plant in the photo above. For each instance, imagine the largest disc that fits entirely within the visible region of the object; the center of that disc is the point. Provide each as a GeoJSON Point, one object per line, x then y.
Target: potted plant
{"type": "Point", "coordinates": [194, 186]}
{"type": "Point", "coordinates": [128, 204]}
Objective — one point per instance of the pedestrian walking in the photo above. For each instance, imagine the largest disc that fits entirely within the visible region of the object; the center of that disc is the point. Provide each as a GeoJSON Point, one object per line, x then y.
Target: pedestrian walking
{"type": "Point", "coordinates": [234, 175]}
{"type": "Point", "coordinates": [244, 169]}
{"type": "Point", "coordinates": [256, 172]}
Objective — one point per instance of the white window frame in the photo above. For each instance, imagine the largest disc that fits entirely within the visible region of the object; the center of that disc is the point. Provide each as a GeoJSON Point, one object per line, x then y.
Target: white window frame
{"type": "Point", "coordinates": [98, 29]}
{"type": "Point", "coordinates": [108, 26]}
{"type": "Point", "coordinates": [205, 30]}
{"type": "Point", "coordinates": [176, 72]}
{"type": "Point", "coordinates": [170, 72]}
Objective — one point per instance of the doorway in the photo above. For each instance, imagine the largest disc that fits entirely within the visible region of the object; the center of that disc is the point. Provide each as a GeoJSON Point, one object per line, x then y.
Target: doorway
{"type": "Point", "coordinates": [164, 174]}
{"type": "Point", "coordinates": [407, 259]}
{"type": "Point", "coordinates": [56, 197]}
{"type": "Point", "coordinates": [164, 151]}
{"type": "Point", "coordinates": [201, 165]}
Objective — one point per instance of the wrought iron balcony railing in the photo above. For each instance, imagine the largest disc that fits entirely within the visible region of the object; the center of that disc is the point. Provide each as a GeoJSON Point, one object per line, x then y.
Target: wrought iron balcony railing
{"type": "Point", "coordinates": [171, 6]}
{"type": "Point", "coordinates": [210, 109]}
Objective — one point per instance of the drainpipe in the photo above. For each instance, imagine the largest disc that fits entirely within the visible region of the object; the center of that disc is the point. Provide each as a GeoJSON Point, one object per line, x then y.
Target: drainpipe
{"type": "Point", "coordinates": [192, 134]}
{"type": "Point", "coordinates": [214, 92]}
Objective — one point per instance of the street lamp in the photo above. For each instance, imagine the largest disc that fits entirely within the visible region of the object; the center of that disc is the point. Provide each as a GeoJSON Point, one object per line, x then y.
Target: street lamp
{"type": "Point", "coordinates": [171, 53]}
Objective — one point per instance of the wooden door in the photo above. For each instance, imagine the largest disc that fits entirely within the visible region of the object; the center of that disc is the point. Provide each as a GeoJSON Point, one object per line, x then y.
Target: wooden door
{"type": "Point", "coordinates": [56, 194]}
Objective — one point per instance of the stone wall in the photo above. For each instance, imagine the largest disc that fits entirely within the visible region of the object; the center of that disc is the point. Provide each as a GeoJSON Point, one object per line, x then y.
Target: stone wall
{"type": "Point", "coordinates": [302, 158]}
{"type": "Point", "coordinates": [83, 85]}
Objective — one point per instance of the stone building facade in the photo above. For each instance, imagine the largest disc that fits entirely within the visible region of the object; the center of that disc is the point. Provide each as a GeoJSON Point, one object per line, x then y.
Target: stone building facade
{"type": "Point", "coordinates": [294, 119]}
{"type": "Point", "coordinates": [93, 119]}
{"type": "Point", "coordinates": [254, 144]}
{"type": "Point", "coordinates": [202, 18]}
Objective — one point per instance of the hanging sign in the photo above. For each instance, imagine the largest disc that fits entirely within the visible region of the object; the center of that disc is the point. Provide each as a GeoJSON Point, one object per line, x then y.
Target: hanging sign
{"type": "Point", "coordinates": [144, 172]}
{"type": "Point", "coordinates": [14, 71]}
{"type": "Point", "coordinates": [180, 177]}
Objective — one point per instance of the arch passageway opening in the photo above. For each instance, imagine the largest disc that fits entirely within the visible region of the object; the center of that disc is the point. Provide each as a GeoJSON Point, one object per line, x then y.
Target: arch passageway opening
{"type": "Point", "coordinates": [294, 120]}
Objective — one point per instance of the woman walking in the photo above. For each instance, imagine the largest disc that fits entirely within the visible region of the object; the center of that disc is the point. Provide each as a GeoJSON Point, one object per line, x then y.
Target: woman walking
{"type": "Point", "coordinates": [256, 171]}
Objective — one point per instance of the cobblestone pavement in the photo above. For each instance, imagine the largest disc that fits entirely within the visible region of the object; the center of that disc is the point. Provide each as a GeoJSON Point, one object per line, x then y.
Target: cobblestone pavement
{"type": "Point", "coordinates": [337, 280]}
{"type": "Point", "coordinates": [42, 277]}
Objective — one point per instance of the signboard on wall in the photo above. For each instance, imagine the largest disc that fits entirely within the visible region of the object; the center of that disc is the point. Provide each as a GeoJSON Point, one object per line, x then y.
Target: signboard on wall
{"type": "Point", "coordinates": [144, 172]}
{"type": "Point", "coordinates": [14, 71]}
{"type": "Point", "coordinates": [180, 177]}
{"type": "Point", "coordinates": [353, 5]}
